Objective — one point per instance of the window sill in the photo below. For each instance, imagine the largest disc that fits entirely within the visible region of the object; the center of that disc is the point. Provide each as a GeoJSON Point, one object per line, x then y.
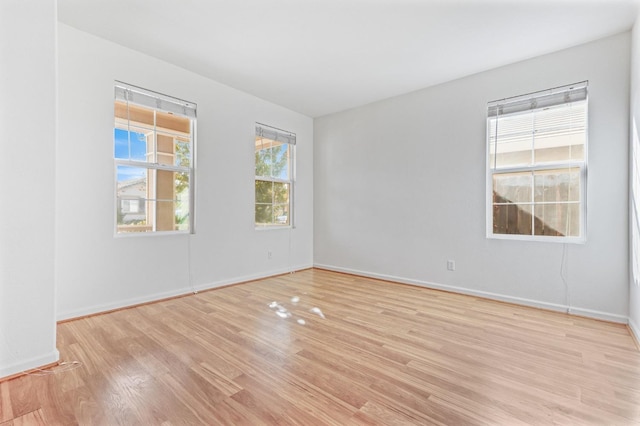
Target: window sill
{"type": "Point", "coordinates": [538, 238]}
{"type": "Point", "coordinates": [272, 227]}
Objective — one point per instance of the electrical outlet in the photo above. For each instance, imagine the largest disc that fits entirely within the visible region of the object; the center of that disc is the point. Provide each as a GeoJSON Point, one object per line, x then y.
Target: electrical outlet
{"type": "Point", "coordinates": [451, 265]}
{"type": "Point", "coordinates": [269, 255]}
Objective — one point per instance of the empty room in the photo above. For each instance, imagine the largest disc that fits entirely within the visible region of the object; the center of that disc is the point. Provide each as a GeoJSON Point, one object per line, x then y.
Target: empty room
{"type": "Point", "coordinates": [320, 212]}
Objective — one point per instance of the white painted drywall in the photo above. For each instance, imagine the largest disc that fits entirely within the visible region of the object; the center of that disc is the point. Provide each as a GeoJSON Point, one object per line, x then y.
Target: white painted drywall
{"type": "Point", "coordinates": [400, 188]}
{"type": "Point", "coordinates": [634, 193]}
{"type": "Point", "coordinates": [27, 172]}
{"type": "Point", "coordinates": [97, 271]}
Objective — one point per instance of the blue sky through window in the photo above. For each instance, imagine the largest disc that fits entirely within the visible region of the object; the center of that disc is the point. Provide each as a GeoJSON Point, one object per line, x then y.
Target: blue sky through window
{"type": "Point", "coordinates": [271, 156]}
{"type": "Point", "coordinates": [137, 151]}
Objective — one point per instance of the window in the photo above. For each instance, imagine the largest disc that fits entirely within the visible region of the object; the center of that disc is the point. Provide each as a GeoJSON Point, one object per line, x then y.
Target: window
{"type": "Point", "coordinates": [153, 142]}
{"type": "Point", "coordinates": [537, 168]}
{"type": "Point", "coordinates": [274, 168]}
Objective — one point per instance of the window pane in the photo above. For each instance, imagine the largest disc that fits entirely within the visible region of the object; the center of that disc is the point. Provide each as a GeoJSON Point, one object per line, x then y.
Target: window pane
{"type": "Point", "coordinates": [547, 154]}
{"type": "Point", "coordinates": [560, 133]}
{"type": "Point", "coordinates": [132, 211]}
{"type": "Point", "coordinates": [173, 150]}
{"type": "Point", "coordinates": [165, 216]}
{"type": "Point", "coordinates": [126, 113]}
{"type": "Point", "coordinates": [181, 218]}
{"type": "Point", "coordinates": [181, 186]}
{"type": "Point", "coordinates": [130, 145]}
{"type": "Point", "coordinates": [557, 185]}
{"type": "Point", "coordinates": [272, 159]}
{"type": "Point", "coordinates": [272, 203]}
{"type": "Point", "coordinates": [559, 219]}
{"type": "Point", "coordinates": [182, 152]}
{"type": "Point", "coordinates": [172, 195]}
{"type": "Point", "coordinates": [264, 192]}
{"type": "Point", "coordinates": [138, 207]}
{"type": "Point", "coordinates": [165, 185]}
{"type": "Point", "coordinates": [132, 215]}
{"type": "Point", "coordinates": [264, 214]}
{"type": "Point", "coordinates": [182, 206]}
{"type": "Point", "coordinates": [280, 165]}
{"type": "Point", "coordinates": [554, 134]}
{"type": "Point", "coordinates": [514, 134]}
{"type": "Point", "coordinates": [165, 147]}
{"type": "Point", "coordinates": [281, 214]}
{"type": "Point", "coordinates": [512, 219]}
{"type": "Point", "coordinates": [131, 179]}
{"type": "Point", "coordinates": [512, 187]}
{"type": "Point", "coordinates": [172, 123]}
{"type": "Point", "coordinates": [264, 157]}
{"type": "Point", "coordinates": [281, 193]}
{"type": "Point", "coordinates": [132, 196]}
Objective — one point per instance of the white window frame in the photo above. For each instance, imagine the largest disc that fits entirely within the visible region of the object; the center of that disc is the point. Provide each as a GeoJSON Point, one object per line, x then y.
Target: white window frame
{"type": "Point", "coordinates": [157, 102]}
{"type": "Point", "coordinates": [289, 138]}
{"type": "Point", "coordinates": [581, 90]}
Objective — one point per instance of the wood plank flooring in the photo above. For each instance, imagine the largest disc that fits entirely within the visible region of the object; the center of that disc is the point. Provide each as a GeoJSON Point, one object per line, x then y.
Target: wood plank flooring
{"type": "Point", "coordinates": [384, 354]}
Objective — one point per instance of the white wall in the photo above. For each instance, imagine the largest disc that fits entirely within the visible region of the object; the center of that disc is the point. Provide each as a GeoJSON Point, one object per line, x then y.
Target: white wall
{"type": "Point", "coordinates": [634, 193]}
{"type": "Point", "coordinates": [27, 172]}
{"type": "Point", "coordinates": [97, 271]}
{"type": "Point", "coordinates": [400, 188]}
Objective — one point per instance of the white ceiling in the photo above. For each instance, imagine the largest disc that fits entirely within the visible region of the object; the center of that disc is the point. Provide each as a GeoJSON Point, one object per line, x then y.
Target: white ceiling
{"type": "Point", "coordinates": [322, 56]}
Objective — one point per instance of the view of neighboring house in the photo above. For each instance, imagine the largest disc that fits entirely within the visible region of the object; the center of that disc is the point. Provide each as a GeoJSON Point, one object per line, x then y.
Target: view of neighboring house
{"type": "Point", "coordinates": [132, 201]}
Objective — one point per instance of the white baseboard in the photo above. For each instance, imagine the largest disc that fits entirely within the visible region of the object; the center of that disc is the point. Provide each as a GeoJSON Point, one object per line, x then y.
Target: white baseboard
{"type": "Point", "coordinates": [29, 364]}
{"type": "Point", "coordinates": [605, 316]}
{"type": "Point", "coordinates": [488, 295]}
{"type": "Point", "coordinates": [120, 304]}
{"type": "Point", "coordinates": [96, 309]}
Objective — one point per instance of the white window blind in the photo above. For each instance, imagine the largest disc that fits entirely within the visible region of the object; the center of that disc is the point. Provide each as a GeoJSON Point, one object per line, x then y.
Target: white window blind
{"type": "Point", "coordinates": [539, 100]}
{"type": "Point", "coordinates": [277, 135]}
{"type": "Point", "coordinates": [136, 95]}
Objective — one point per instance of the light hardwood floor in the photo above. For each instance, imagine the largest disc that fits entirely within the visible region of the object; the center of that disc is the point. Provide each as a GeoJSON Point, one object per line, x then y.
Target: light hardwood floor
{"type": "Point", "coordinates": [384, 354]}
